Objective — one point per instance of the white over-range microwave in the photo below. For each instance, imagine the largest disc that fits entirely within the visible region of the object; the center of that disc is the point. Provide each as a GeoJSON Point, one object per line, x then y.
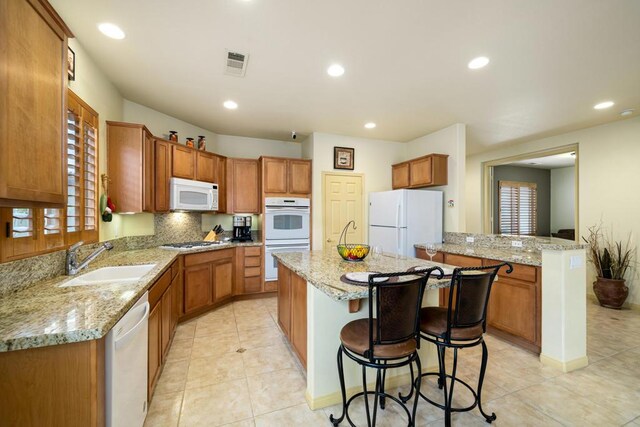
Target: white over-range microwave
{"type": "Point", "coordinates": [189, 195]}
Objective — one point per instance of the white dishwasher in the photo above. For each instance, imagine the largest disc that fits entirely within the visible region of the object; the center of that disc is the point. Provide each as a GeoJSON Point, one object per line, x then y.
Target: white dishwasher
{"type": "Point", "coordinates": [126, 367]}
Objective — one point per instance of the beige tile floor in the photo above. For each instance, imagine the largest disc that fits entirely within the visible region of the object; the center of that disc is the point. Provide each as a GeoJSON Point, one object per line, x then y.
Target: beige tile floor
{"type": "Point", "coordinates": [232, 367]}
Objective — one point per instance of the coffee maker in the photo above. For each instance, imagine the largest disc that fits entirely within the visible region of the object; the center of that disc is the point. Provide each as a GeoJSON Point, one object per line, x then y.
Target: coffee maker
{"type": "Point", "coordinates": [241, 229]}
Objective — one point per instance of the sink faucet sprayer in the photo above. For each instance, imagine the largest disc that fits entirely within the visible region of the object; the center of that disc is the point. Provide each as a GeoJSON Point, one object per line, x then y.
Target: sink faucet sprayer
{"type": "Point", "coordinates": [71, 264]}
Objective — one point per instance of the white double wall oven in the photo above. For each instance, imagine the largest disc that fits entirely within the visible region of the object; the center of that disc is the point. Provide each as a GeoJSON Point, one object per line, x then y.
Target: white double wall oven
{"type": "Point", "coordinates": [287, 229]}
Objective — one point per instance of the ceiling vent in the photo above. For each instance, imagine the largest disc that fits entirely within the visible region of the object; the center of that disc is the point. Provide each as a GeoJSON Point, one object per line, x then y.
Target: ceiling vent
{"type": "Point", "coordinates": [236, 63]}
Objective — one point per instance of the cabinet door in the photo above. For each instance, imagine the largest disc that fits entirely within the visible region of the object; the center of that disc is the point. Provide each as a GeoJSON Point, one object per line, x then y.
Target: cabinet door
{"type": "Point", "coordinates": [284, 299]}
{"type": "Point", "coordinates": [176, 300]}
{"type": "Point", "coordinates": [300, 176]}
{"type": "Point", "coordinates": [33, 85]}
{"type": "Point", "coordinates": [222, 280]}
{"type": "Point", "coordinates": [275, 175]}
{"type": "Point", "coordinates": [512, 308]}
{"type": "Point", "coordinates": [221, 180]}
{"type": "Point", "coordinates": [206, 167]}
{"type": "Point", "coordinates": [162, 175]}
{"type": "Point", "coordinates": [245, 186]}
{"type": "Point", "coordinates": [148, 182]}
{"type": "Point", "coordinates": [165, 321]}
{"type": "Point", "coordinates": [420, 172]}
{"type": "Point", "coordinates": [400, 176]}
{"type": "Point", "coordinates": [197, 287]}
{"type": "Point", "coordinates": [154, 355]}
{"type": "Point", "coordinates": [299, 316]}
{"type": "Point", "coordinates": [183, 162]}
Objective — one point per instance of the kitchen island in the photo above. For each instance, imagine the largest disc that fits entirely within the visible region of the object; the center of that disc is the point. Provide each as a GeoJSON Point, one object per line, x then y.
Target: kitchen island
{"type": "Point", "coordinates": [314, 305]}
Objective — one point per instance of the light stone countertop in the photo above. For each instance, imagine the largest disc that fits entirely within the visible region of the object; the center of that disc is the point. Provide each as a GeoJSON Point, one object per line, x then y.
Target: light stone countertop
{"type": "Point", "coordinates": [323, 270]}
{"type": "Point", "coordinates": [517, 256]}
{"type": "Point", "coordinates": [44, 314]}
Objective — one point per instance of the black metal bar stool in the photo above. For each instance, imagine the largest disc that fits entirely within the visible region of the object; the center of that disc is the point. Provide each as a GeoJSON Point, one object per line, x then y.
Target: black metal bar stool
{"type": "Point", "coordinates": [461, 324]}
{"type": "Point", "coordinates": [388, 339]}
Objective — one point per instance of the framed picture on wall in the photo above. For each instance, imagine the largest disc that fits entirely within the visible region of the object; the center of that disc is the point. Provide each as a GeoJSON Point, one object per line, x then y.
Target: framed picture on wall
{"type": "Point", "coordinates": [343, 158]}
{"type": "Point", "coordinates": [71, 64]}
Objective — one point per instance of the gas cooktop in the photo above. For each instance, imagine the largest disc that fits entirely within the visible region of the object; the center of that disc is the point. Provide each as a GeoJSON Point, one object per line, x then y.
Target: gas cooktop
{"type": "Point", "coordinates": [191, 245]}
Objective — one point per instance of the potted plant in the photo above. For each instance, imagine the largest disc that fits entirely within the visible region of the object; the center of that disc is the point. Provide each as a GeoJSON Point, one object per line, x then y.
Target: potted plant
{"type": "Point", "coordinates": [612, 261]}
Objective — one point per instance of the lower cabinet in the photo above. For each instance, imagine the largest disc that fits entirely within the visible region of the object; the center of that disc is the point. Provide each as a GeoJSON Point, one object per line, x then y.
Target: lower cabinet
{"type": "Point", "coordinates": [292, 310]}
{"type": "Point", "coordinates": [208, 279]}
{"type": "Point", "coordinates": [155, 354]}
{"type": "Point", "coordinates": [249, 270]}
{"type": "Point", "coordinates": [514, 311]}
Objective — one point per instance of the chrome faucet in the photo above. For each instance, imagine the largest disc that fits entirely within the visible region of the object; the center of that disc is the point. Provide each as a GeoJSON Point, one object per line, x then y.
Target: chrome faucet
{"type": "Point", "coordinates": [71, 264]}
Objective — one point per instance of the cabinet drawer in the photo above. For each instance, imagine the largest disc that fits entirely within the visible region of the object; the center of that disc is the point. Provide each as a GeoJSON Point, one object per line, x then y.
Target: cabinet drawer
{"type": "Point", "coordinates": [528, 273]}
{"type": "Point", "coordinates": [252, 272]}
{"type": "Point", "coordinates": [462, 260]}
{"type": "Point", "coordinates": [252, 284]}
{"type": "Point", "coordinates": [252, 261]}
{"type": "Point", "coordinates": [203, 257]}
{"type": "Point", "coordinates": [271, 286]}
{"type": "Point", "coordinates": [252, 251]}
{"type": "Point", "coordinates": [158, 288]}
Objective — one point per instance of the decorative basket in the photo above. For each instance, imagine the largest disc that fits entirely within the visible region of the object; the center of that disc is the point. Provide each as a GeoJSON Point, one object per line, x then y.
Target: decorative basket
{"type": "Point", "coordinates": [351, 252]}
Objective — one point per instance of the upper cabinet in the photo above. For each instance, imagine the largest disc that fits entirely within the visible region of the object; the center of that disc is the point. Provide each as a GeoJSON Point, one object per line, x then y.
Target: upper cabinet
{"type": "Point", "coordinates": [242, 183]}
{"type": "Point", "coordinates": [33, 84]}
{"type": "Point", "coordinates": [184, 162]}
{"type": "Point", "coordinates": [285, 176]}
{"type": "Point", "coordinates": [425, 171]}
{"type": "Point", "coordinates": [162, 169]}
{"type": "Point", "coordinates": [129, 146]}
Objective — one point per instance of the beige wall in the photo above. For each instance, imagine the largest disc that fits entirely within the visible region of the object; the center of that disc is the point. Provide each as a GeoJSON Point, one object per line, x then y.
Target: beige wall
{"type": "Point", "coordinates": [96, 90]}
{"type": "Point", "coordinates": [452, 141]}
{"type": "Point", "coordinates": [562, 192]}
{"type": "Point", "coordinates": [608, 176]}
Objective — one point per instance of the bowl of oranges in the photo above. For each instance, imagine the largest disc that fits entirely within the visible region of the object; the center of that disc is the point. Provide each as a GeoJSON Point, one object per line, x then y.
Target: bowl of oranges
{"type": "Point", "coordinates": [350, 252]}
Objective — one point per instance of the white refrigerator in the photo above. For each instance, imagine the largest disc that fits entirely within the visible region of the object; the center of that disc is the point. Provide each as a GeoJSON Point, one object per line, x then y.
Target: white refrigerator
{"type": "Point", "coordinates": [399, 219]}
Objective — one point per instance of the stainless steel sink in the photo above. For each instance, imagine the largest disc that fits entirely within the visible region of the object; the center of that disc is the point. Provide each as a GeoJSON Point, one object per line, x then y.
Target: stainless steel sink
{"type": "Point", "coordinates": [110, 275]}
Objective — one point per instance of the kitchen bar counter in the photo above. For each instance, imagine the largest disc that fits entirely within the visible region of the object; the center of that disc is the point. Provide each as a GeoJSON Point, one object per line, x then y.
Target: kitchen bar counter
{"type": "Point", "coordinates": [527, 256]}
{"type": "Point", "coordinates": [44, 314]}
{"type": "Point", "coordinates": [323, 269]}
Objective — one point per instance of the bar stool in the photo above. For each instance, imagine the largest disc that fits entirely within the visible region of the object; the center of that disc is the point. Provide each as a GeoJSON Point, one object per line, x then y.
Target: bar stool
{"type": "Point", "coordinates": [461, 324]}
{"type": "Point", "coordinates": [388, 339]}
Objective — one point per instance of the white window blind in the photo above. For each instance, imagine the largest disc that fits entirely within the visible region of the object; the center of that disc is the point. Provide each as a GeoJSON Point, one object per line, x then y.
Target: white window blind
{"type": "Point", "coordinates": [74, 165]}
{"type": "Point", "coordinates": [518, 207]}
{"type": "Point", "coordinates": [90, 177]}
{"type": "Point", "coordinates": [22, 222]}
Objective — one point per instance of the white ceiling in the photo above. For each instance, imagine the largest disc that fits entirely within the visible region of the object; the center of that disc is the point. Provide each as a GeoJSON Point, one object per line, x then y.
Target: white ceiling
{"type": "Point", "coordinates": [405, 61]}
{"type": "Point", "coordinates": [549, 162]}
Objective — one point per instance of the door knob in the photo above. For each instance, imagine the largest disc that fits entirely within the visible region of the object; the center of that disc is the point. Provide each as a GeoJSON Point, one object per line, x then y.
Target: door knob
{"type": "Point", "coordinates": [328, 240]}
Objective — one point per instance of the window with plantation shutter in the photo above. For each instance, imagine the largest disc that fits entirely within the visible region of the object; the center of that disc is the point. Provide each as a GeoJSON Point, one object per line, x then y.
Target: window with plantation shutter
{"type": "Point", "coordinates": [22, 223]}
{"type": "Point", "coordinates": [517, 207]}
{"type": "Point", "coordinates": [52, 221]}
{"type": "Point", "coordinates": [74, 166]}
{"type": "Point", "coordinates": [90, 176]}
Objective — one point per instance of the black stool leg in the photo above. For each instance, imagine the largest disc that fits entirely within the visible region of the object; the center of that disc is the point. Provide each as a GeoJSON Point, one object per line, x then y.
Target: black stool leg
{"type": "Point", "coordinates": [366, 397]}
{"type": "Point", "coordinates": [406, 398]}
{"type": "Point", "coordinates": [448, 400]}
{"type": "Point", "coordinates": [336, 421]}
{"type": "Point", "coordinates": [441, 366]}
{"type": "Point", "coordinates": [483, 367]}
{"type": "Point", "coordinates": [384, 377]}
{"type": "Point", "coordinates": [412, 421]}
{"type": "Point", "coordinates": [376, 395]}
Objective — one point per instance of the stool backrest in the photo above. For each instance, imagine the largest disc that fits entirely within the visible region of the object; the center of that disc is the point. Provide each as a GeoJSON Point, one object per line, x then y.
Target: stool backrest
{"type": "Point", "coordinates": [397, 306]}
{"type": "Point", "coordinates": [469, 293]}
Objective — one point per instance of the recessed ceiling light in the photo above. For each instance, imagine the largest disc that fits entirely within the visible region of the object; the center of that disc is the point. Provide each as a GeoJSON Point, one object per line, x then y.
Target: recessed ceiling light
{"type": "Point", "coordinates": [370, 125]}
{"type": "Point", "coordinates": [479, 62]}
{"type": "Point", "coordinates": [627, 112]}
{"type": "Point", "coordinates": [230, 105]}
{"type": "Point", "coordinates": [603, 105]}
{"type": "Point", "coordinates": [111, 30]}
{"type": "Point", "coordinates": [335, 70]}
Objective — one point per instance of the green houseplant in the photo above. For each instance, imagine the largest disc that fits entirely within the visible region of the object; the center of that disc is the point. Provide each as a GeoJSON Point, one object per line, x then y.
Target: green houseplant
{"type": "Point", "coordinates": [612, 261]}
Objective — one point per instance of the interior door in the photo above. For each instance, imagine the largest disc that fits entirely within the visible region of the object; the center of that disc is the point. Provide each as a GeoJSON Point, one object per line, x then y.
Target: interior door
{"type": "Point", "coordinates": [342, 203]}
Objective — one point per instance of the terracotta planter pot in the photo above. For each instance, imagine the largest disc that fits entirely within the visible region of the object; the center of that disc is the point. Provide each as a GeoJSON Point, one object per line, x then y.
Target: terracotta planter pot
{"type": "Point", "coordinates": [611, 293]}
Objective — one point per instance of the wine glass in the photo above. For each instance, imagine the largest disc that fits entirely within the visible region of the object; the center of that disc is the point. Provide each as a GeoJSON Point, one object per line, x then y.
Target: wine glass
{"type": "Point", "coordinates": [431, 251]}
{"type": "Point", "coordinates": [377, 252]}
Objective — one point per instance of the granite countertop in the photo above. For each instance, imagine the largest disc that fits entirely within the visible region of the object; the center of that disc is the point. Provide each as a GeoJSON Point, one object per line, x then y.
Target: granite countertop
{"type": "Point", "coordinates": [44, 314]}
{"type": "Point", "coordinates": [518, 256]}
{"type": "Point", "coordinates": [323, 270]}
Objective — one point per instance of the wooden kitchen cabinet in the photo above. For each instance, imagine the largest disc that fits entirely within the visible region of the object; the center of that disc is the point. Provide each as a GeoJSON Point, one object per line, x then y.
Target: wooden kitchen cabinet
{"type": "Point", "coordinates": [292, 310]}
{"type": "Point", "coordinates": [425, 171]}
{"type": "Point", "coordinates": [33, 84]}
{"type": "Point", "coordinates": [515, 305]}
{"type": "Point", "coordinates": [242, 186]}
{"type": "Point", "coordinates": [162, 168]}
{"type": "Point", "coordinates": [206, 166]}
{"type": "Point", "coordinates": [249, 270]}
{"type": "Point", "coordinates": [131, 187]}
{"type": "Point", "coordinates": [154, 358]}
{"type": "Point", "coordinates": [177, 293]}
{"type": "Point", "coordinates": [183, 162]}
{"type": "Point", "coordinates": [282, 176]}
{"type": "Point", "coordinates": [208, 280]}
{"type": "Point", "coordinates": [165, 321]}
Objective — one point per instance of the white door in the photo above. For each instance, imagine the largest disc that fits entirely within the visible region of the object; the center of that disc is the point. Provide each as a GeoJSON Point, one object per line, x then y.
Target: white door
{"type": "Point", "coordinates": [393, 240]}
{"type": "Point", "coordinates": [387, 208]}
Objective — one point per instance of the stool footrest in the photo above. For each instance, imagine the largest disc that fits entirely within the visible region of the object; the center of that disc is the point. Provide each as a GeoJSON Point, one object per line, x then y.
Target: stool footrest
{"type": "Point", "coordinates": [458, 380]}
